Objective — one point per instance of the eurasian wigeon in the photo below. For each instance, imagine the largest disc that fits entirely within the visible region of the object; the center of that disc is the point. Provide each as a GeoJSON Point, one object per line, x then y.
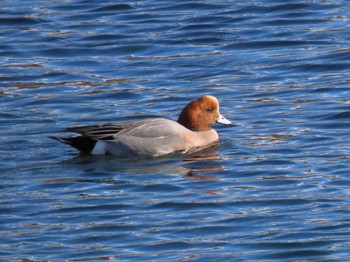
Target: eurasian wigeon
{"type": "Point", "coordinates": [152, 136]}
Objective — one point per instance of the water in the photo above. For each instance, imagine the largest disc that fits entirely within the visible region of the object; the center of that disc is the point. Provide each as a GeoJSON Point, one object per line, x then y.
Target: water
{"type": "Point", "coordinates": [276, 187]}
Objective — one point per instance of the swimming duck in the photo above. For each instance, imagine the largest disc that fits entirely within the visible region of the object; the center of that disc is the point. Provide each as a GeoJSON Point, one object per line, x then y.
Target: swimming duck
{"type": "Point", "coordinates": [152, 136]}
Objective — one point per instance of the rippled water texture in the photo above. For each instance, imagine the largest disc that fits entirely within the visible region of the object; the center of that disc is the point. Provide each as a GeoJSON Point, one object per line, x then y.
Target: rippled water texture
{"type": "Point", "coordinates": [276, 187]}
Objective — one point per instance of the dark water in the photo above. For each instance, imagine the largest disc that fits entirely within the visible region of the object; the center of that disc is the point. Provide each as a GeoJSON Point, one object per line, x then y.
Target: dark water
{"type": "Point", "coordinates": [276, 187]}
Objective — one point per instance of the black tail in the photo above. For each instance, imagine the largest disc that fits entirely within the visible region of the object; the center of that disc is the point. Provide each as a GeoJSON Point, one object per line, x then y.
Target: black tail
{"type": "Point", "coordinates": [83, 143]}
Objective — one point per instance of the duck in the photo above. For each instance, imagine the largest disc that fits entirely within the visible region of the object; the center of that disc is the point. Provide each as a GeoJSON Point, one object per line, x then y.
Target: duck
{"type": "Point", "coordinates": [152, 137]}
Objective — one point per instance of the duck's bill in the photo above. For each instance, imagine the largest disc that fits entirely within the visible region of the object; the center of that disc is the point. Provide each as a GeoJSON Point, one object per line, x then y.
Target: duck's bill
{"type": "Point", "coordinates": [223, 120]}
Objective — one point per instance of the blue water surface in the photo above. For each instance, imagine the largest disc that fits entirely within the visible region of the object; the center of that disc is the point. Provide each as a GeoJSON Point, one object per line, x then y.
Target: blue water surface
{"type": "Point", "coordinates": [276, 186]}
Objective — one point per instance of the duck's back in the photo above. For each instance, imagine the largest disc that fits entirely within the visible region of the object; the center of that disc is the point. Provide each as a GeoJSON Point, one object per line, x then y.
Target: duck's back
{"type": "Point", "coordinates": [148, 137]}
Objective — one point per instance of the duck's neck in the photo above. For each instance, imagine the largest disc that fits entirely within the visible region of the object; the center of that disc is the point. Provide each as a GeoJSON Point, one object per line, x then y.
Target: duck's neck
{"type": "Point", "coordinates": [192, 122]}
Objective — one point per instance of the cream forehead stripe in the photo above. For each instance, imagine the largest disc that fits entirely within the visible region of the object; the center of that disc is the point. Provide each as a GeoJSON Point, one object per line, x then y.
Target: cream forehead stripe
{"type": "Point", "coordinates": [212, 99]}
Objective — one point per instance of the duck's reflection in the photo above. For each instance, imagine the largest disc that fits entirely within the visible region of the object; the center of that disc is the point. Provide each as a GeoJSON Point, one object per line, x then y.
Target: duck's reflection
{"type": "Point", "coordinates": [198, 164]}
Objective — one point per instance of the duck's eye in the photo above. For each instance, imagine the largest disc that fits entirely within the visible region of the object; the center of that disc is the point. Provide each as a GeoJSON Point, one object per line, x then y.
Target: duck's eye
{"type": "Point", "coordinates": [210, 109]}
